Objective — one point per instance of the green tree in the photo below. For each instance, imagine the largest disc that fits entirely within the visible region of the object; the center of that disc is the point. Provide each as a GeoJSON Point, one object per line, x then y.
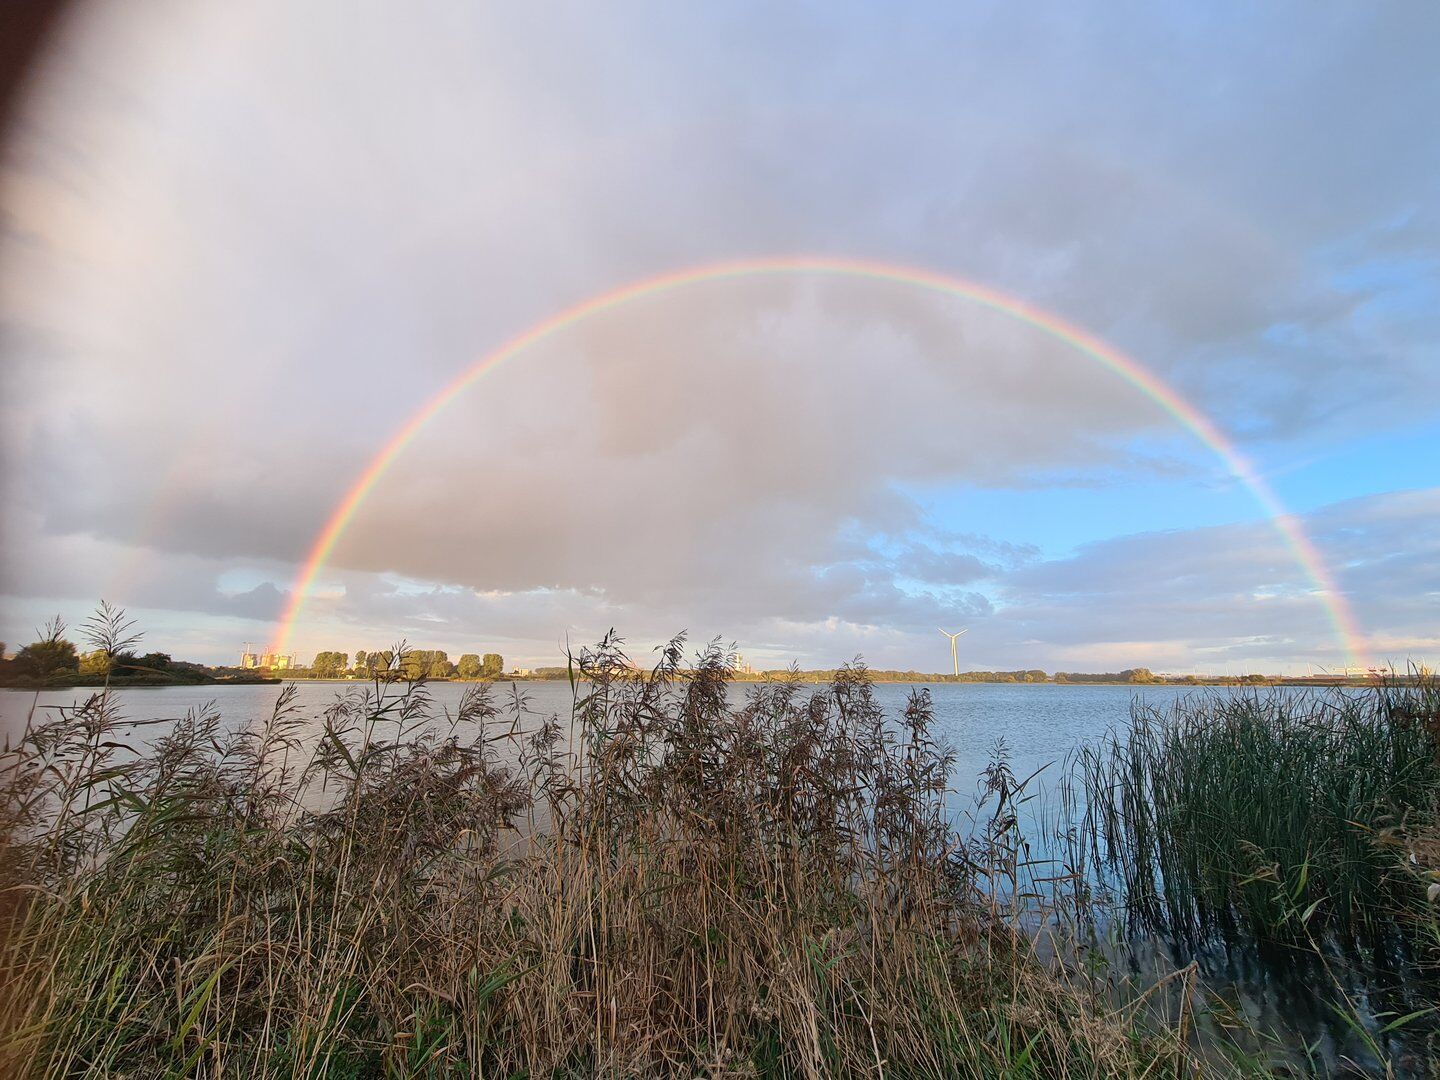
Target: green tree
{"type": "Point", "coordinates": [50, 656]}
{"type": "Point", "coordinates": [95, 663]}
{"type": "Point", "coordinates": [492, 665]}
{"type": "Point", "coordinates": [360, 661]}
{"type": "Point", "coordinates": [330, 665]}
{"type": "Point", "coordinates": [427, 664]}
{"type": "Point", "coordinates": [468, 666]}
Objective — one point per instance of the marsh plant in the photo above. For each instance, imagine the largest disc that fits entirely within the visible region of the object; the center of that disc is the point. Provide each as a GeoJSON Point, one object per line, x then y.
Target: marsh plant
{"type": "Point", "coordinates": [1276, 817]}
{"type": "Point", "coordinates": [662, 883]}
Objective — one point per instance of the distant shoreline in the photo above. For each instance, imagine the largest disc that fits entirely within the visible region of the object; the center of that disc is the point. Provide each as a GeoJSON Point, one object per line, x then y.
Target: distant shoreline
{"type": "Point", "coordinates": [805, 678]}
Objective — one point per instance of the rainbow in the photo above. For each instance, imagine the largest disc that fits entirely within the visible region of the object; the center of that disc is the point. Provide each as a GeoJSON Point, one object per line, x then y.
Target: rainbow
{"type": "Point", "coordinates": [1347, 631]}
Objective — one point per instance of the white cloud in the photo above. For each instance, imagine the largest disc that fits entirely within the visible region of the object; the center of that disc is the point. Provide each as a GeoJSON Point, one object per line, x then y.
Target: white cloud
{"type": "Point", "coordinates": [241, 245]}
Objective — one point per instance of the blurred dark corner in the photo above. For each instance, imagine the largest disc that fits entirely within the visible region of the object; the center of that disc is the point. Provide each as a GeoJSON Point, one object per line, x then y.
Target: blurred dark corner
{"type": "Point", "coordinates": [26, 27]}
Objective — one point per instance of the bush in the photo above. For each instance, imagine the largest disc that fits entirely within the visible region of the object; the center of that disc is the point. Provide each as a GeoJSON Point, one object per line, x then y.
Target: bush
{"type": "Point", "coordinates": [660, 884]}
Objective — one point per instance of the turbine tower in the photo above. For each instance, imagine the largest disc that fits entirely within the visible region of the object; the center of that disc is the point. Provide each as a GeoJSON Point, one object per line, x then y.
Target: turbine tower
{"type": "Point", "coordinates": [954, 653]}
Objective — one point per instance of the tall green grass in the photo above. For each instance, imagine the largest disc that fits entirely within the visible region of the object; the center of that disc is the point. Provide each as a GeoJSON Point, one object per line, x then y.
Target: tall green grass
{"type": "Point", "coordinates": [660, 884]}
{"type": "Point", "coordinates": [1276, 815]}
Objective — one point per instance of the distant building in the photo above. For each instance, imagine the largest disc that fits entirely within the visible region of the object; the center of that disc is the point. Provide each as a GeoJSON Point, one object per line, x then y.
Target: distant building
{"type": "Point", "coordinates": [520, 672]}
{"type": "Point", "coordinates": [276, 662]}
{"type": "Point", "coordinates": [249, 660]}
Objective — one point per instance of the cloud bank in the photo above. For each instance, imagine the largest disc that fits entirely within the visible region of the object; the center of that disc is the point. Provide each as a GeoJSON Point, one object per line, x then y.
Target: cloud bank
{"type": "Point", "coordinates": [240, 247]}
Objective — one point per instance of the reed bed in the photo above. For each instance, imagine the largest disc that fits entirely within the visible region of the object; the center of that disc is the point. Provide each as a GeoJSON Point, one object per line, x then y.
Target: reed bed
{"type": "Point", "coordinates": [1276, 817]}
{"type": "Point", "coordinates": [661, 884]}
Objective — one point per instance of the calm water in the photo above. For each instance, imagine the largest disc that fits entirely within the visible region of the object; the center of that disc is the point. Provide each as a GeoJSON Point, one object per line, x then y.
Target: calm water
{"type": "Point", "coordinates": [1039, 724]}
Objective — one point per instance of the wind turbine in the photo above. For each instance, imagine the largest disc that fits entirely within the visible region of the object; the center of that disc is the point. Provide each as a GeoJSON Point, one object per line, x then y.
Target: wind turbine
{"type": "Point", "coordinates": [954, 653]}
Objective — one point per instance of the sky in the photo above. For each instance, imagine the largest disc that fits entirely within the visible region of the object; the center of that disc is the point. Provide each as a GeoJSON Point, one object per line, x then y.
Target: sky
{"type": "Point", "coordinates": [243, 244]}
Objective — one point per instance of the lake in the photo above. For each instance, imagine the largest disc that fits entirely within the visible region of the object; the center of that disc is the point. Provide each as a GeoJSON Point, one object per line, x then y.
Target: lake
{"type": "Point", "coordinates": [1040, 723]}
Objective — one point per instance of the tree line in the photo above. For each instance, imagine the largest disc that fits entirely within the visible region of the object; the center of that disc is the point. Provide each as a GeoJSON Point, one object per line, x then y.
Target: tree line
{"type": "Point", "coordinates": [53, 659]}
{"type": "Point", "coordinates": [412, 664]}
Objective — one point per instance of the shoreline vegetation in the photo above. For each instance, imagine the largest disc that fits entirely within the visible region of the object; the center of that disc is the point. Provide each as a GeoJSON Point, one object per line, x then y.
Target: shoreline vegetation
{"type": "Point", "coordinates": [684, 885]}
{"type": "Point", "coordinates": [822, 676]}
{"type": "Point", "coordinates": [52, 662]}
{"type": "Point", "coordinates": [222, 677]}
{"type": "Point", "coordinates": [698, 890]}
{"type": "Point", "coordinates": [235, 677]}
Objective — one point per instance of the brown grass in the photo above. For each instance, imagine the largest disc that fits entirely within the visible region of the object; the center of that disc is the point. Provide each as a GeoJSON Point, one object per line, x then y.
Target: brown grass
{"type": "Point", "coordinates": [662, 885]}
